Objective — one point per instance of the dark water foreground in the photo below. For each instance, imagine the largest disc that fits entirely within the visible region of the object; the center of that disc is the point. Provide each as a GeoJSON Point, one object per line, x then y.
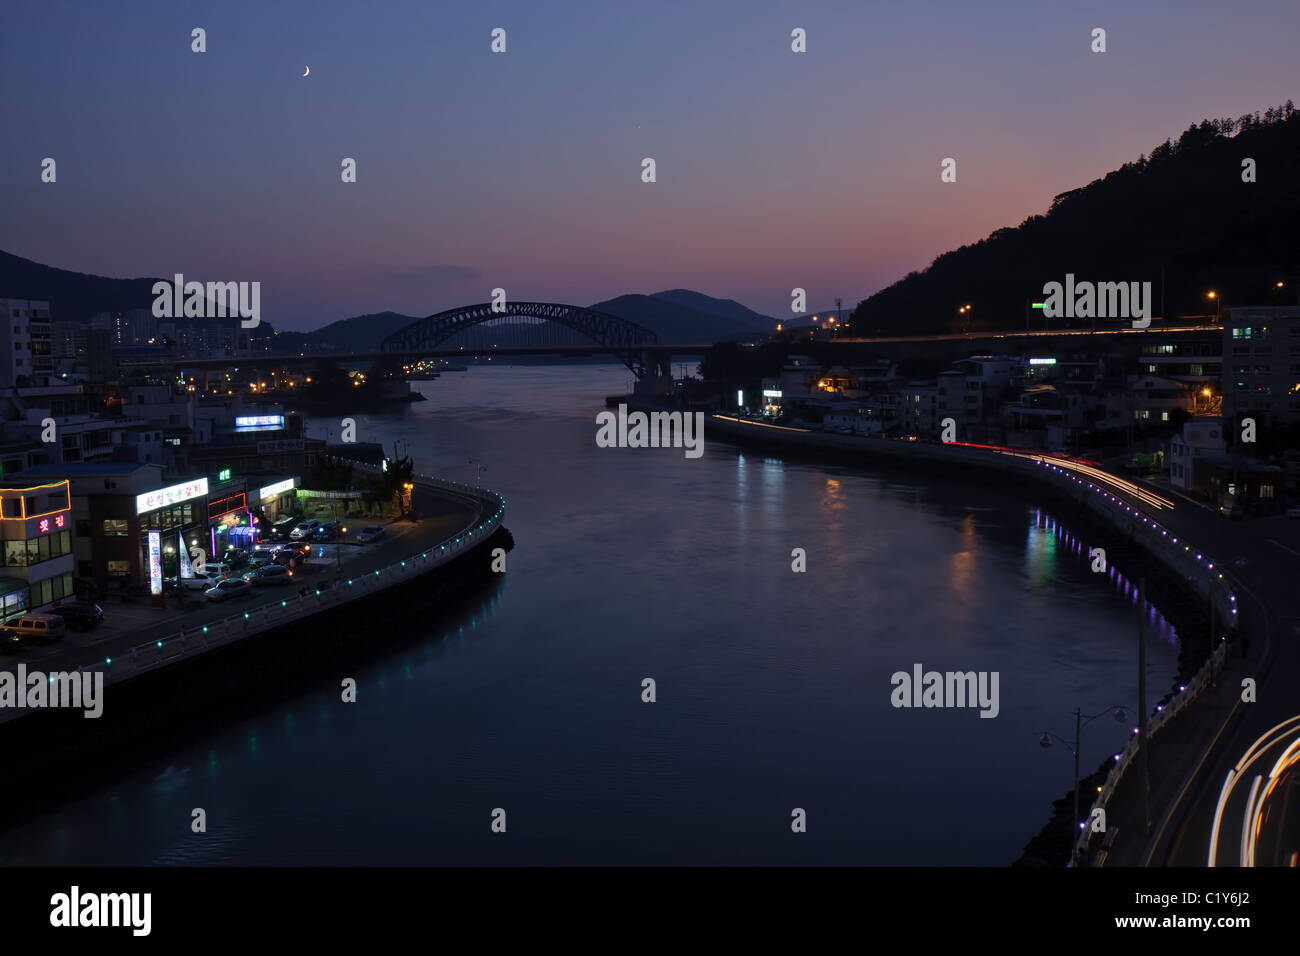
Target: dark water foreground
{"type": "Point", "coordinates": [773, 687]}
{"type": "Point", "coordinates": [147, 717]}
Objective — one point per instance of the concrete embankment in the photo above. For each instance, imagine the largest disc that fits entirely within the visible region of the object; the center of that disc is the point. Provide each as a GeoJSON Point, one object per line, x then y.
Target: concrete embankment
{"type": "Point", "coordinates": [64, 755]}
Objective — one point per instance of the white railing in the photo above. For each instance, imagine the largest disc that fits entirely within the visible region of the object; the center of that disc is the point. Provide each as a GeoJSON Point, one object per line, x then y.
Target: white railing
{"type": "Point", "coordinates": [1182, 557]}
{"type": "Point", "coordinates": [198, 640]}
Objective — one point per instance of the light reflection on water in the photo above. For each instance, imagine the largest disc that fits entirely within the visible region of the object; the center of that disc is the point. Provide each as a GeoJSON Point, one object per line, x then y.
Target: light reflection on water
{"type": "Point", "coordinates": [773, 686]}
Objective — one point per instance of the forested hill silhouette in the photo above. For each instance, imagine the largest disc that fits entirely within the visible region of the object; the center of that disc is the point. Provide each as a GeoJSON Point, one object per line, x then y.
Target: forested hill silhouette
{"type": "Point", "coordinates": [1184, 210]}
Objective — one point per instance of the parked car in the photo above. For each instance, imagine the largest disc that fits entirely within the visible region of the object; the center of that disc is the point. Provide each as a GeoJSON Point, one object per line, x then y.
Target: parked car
{"type": "Point", "coordinates": [303, 529]}
{"type": "Point", "coordinates": [271, 574]}
{"type": "Point", "coordinates": [326, 532]}
{"type": "Point", "coordinates": [281, 529]}
{"type": "Point", "coordinates": [285, 558]}
{"type": "Point", "coordinates": [300, 548]}
{"type": "Point", "coordinates": [229, 588]}
{"type": "Point", "coordinates": [235, 557]}
{"type": "Point", "coordinates": [201, 581]}
{"type": "Point", "coordinates": [1293, 511]}
{"type": "Point", "coordinates": [1231, 510]}
{"type": "Point", "coordinates": [79, 615]}
{"type": "Point", "coordinates": [11, 642]}
{"type": "Point", "coordinates": [370, 532]}
{"type": "Point", "coordinates": [40, 627]}
{"type": "Point", "coordinates": [260, 557]}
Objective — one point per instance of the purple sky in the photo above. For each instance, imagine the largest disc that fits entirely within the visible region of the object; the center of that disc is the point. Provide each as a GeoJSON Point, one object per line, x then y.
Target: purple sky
{"type": "Point", "coordinates": [522, 169]}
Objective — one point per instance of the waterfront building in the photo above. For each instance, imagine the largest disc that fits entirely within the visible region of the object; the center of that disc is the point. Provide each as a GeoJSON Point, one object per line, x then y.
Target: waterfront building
{"type": "Point", "coordinates": [1040, 419]}
{"type": "Point", "coordinates": [276, 494]}
{"type": "Point", "coordinates": [799, 376]}
{"type": "Point", "coordinates": [917, 409]}
{"type": "Point", "coordinates": [230, 513]}
{"type": "Point", "coordinates": [856, 420]}
{"type": "Point", "coordinates": [36, 525]}
{"type": "Point", "coordinates": [128, 522]}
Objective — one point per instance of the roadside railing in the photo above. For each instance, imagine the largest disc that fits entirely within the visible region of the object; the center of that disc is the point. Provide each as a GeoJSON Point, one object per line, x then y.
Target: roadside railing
{"type": "Point", "coordinates": [189, 642]}
{"type": "Point", "coordinates": [1181, 557]}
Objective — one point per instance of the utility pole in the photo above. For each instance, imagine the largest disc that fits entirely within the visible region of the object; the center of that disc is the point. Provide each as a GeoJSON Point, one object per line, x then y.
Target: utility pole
{"type": "Point", "coordinates": [1142, 704]}
{"type": "Point", "coordinates": [1078, 727]}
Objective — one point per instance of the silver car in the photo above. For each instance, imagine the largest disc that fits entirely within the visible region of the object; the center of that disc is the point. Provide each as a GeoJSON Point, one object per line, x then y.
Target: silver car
{"type": "Point", "coordinates": [229, 588]}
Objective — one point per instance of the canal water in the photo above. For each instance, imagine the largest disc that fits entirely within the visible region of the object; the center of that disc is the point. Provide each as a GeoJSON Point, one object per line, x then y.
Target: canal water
{"type": "Point", "coordinates": [773, 688]}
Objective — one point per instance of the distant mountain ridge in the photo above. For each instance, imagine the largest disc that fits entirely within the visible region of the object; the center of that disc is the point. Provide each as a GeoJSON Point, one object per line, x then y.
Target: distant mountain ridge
{"type": "Point", "coordinates": [72, 295]}
{"type": "Point", "coordinates": [677, 316]}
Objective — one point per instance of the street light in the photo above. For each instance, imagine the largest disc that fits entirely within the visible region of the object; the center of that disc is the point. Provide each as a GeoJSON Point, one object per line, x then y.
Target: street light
{"type": "Point", "coordinates": [1215, 296]}
{"type": "Point", "coordinates": [1080, 720]}
{"type": "Point", "coordinates": [481, 468]}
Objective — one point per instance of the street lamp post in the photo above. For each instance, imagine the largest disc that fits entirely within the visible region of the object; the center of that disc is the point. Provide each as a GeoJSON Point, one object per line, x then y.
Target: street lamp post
{"type": "Point", "coordinates": [1080, 721]}
{"type": "Point", "coordinates": [1215, 296]}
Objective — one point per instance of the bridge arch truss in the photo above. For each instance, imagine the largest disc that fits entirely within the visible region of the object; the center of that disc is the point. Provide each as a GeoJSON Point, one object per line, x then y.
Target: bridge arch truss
{"type": "Point", "coordinates": [610, 331]}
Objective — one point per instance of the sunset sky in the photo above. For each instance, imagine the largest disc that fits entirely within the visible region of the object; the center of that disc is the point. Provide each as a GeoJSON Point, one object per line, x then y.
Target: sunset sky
{"type": "Point", "coordinates": [522, 170]}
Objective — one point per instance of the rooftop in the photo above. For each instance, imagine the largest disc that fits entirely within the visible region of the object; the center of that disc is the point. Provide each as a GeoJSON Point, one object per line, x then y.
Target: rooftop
{"type": "Point", "coordinates": [86, 469]}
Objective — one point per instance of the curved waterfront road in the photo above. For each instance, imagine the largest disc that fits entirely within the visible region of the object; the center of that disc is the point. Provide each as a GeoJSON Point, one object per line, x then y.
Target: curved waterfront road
{"type": "Point", "coordinates": [1191, 758]}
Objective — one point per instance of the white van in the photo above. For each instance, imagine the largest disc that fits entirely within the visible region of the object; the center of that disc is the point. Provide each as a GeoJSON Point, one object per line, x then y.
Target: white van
{"type": "Point", "coordinates": [41, 627]}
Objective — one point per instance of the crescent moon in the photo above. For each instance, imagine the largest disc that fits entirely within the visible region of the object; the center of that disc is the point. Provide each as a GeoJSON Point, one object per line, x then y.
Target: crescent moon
{"type": "Point", "coordinates": [308, 71]}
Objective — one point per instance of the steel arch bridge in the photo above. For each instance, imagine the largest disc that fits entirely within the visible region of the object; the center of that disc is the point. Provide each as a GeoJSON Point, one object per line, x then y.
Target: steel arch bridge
{"type": "Point", "coordinates": [604, 329]}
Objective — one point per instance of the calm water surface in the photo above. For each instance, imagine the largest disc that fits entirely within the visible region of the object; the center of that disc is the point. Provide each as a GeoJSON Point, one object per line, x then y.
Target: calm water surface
{"type": "Point", "coordinates": [773, 687]}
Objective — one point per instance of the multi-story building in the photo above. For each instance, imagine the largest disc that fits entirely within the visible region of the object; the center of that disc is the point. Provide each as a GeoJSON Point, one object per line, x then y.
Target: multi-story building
{"type": "Point", "coordinates": [68, 341]}
{"type": "Point", "coordinates": [36, 533]}
{"type": "Point", "coordinates": [25, 344]}
{"type": "Point", "coordinates": [129, 524]}
{"type": "Point", "coordinates": [961, 398]}
{"type": "Point", "coordinates": [1197, 440]}
{"type": "Point", "coordinates": [1199, 362]}
{"type": "Point", "coordinates": [204, 338]}
{"type": "Point", "coordinates": [918, 407]}
{"type": "Point", "coordinates": [1261, 363]}
{"type": "Point", "coordinates": [1149, 400]}
{"type": "Point", "coordinates": [133, 327]}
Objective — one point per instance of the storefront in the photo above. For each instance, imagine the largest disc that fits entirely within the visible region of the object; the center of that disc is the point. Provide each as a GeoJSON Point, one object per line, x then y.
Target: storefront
{"type": "Point", "coordinates": [170, 518]}
{"type": "Point", "coordinates": [278, 498]}
{"type": "Point", "coordinates": [36, 551]}
{"type": "Point", "coordinates": [230, 525]}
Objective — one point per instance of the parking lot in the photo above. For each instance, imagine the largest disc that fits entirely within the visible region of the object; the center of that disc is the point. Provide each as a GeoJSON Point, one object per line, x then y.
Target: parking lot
{"type": "Point", "coordinates": [129, 623]}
